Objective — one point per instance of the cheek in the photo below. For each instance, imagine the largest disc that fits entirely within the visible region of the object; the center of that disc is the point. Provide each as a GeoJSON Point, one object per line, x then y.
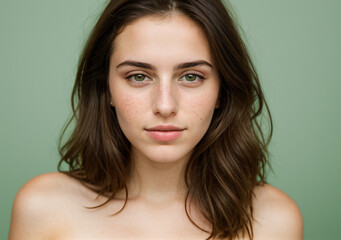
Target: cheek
{"type": "Point", "coordinates": [202, 107]}
{"type": "Point", "coordinates": [127, 108]}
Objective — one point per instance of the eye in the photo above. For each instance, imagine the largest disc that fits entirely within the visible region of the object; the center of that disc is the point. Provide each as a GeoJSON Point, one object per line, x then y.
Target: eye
{"type": "Point", "coordinates": [192, 78]}
{"type": "Point", "coordinates": [138, 79]}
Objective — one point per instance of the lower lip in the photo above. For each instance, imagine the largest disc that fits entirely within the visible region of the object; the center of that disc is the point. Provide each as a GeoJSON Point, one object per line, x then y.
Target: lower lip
{"type": "Point", "coordinates": [165, 136]}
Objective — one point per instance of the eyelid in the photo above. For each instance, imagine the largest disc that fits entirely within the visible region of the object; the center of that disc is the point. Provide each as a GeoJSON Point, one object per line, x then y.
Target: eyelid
{"type": "Point", "coordinates": [199, 74]}
{"type": "Point", "coordinates": [196, 83]}
{"type": "Point", "coordinates": [137, 83]}
{"type": "Point", "coordinates": [131, 75]}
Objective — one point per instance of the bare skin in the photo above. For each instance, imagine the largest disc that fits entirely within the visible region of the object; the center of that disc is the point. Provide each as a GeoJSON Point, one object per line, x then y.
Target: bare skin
{"type": "Point", "coordinates": [51, 206]}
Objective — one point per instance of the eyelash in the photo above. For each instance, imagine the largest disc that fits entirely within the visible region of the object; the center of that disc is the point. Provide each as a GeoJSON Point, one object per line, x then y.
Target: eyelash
{"type": "Point", "coordinates": [199, 78]}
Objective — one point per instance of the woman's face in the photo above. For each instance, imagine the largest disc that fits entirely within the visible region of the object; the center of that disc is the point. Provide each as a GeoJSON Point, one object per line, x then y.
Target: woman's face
{"type": "Point", "coordinates": [164, 86]}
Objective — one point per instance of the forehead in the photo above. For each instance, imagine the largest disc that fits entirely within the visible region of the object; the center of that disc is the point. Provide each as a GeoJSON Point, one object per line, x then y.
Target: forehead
{"type": "Point", "coordinates": [155, 38]}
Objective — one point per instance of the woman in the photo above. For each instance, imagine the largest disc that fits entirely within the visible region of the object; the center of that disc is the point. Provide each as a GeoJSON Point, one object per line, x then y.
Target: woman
{"type": "Point", "coordinates": [166, 143]}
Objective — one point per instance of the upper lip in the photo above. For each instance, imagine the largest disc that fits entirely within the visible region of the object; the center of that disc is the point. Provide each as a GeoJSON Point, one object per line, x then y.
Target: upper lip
{"type": "Point", "coordinates": [165, 128]}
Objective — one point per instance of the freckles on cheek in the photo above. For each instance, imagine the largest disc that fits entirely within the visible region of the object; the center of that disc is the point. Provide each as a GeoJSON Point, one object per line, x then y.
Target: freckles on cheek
{"type": "Point", "coordinates": [201, 109]}
{"type": "Point", "coordinates": [197, 112]}
{"type": "Point", "coordinates": [128, 107]}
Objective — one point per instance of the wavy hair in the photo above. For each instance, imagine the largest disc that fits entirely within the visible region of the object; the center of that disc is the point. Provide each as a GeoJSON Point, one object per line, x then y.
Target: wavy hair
{"type": "Point", "coordinates": [231, 158]}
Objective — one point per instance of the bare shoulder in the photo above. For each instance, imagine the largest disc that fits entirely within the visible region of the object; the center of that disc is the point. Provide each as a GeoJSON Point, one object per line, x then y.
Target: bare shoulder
{"type": "Point", "coordinates": [45, 187]}
{"type": "Point", "coordinates": [276, 215]}
{"type": "Point", "coordinates": [39, 203]}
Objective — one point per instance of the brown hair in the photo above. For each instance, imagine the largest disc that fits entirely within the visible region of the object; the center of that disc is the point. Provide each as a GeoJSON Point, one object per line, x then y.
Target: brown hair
{"type": "Point", "coordinates": [228, 162]}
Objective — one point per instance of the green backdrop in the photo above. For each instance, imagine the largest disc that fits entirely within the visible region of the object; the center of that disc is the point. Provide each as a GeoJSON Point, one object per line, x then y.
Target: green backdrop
{"type": "Point", "coordinates": [296, 49]}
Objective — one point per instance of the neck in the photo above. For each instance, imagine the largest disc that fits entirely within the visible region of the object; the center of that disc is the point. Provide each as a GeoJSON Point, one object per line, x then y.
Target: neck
{"type": "Point", "coordinates": [157, 182]}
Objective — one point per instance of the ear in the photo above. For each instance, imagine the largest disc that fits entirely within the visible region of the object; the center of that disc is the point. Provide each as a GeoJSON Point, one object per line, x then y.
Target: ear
{"type": "Point", "coordinates": [111, 102]}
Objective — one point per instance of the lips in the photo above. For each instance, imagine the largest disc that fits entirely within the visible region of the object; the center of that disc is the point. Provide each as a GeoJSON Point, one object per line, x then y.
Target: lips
{"type": "Point", "coordinates": [165, 133]}
{"type": "Point", "coordinates": [165, 128]}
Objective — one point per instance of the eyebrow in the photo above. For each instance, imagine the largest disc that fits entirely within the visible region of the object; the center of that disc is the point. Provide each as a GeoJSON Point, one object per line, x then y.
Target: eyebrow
{"type": "Point", "coordinates": [152, 67]}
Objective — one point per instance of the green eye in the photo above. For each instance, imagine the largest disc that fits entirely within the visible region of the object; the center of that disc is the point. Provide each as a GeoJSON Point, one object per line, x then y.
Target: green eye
{"type": "Point", "coordinates": [139, 77]}
{"type": "Point", "coordinates": [190, 77]}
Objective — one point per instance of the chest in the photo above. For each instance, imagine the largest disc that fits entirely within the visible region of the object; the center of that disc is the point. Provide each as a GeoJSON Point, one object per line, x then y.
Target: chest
{"type": "Point", "coordinates": [134, 222]}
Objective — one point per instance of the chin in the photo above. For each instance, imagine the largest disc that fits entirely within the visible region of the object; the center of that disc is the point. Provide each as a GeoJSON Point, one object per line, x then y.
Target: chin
{"type": "Point", "coordinates": [166, 154]}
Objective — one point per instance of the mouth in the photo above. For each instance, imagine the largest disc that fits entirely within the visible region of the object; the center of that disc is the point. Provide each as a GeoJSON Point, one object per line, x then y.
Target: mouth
{"type": "Point", "coordinates": [165, 133]}
{"type": "Point", "coordinates": [165, 128]}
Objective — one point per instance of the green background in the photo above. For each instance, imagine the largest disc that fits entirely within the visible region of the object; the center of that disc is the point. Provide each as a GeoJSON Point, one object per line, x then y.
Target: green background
{"type": "Point", "coordinates": [296, 49]}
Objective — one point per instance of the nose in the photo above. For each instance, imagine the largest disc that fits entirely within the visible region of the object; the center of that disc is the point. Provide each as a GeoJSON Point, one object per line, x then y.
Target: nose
{"type": "Point", "coordinates": [165, 99]}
